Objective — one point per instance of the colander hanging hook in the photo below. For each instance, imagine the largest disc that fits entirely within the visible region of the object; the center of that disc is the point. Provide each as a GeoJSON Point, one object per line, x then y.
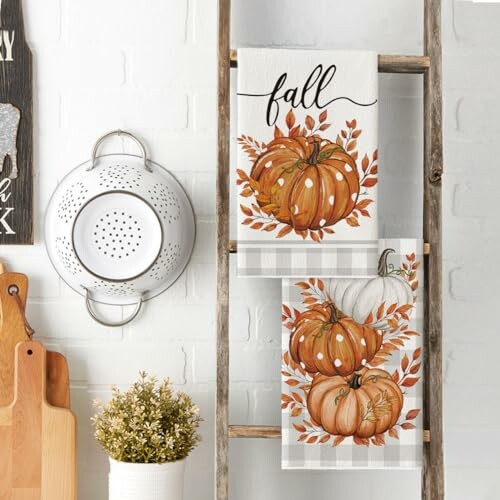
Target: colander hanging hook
{"type": "Point", "coordinates": [93, 314]}
{"type": "Point", "coordinates": [119, 133]}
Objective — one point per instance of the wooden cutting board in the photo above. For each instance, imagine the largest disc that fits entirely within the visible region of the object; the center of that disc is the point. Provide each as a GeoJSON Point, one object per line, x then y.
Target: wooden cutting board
{"type": "Point", "coordinates": [58, 393]}
{"type": "Point", "coordinates": [37, 440]}
{"type": "Point", "coordinates": [12, 331]}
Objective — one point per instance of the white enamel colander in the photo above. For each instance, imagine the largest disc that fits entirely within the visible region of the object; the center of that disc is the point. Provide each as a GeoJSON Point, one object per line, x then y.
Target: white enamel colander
{"type": "Point", "coordinates": [119, 229]}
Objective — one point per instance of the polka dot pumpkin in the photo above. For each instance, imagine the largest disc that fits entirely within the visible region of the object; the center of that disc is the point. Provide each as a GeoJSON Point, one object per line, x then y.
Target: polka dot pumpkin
{"type": "Point", "coordinates": [308, 183]}
{"type": "Point", "coordinates": [324, 340]}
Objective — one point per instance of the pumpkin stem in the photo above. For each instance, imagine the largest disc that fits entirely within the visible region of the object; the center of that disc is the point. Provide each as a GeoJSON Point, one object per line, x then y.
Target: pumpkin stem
{"type": "Point", "coordinates": [355, 381]}
{"type": "Point", "coordinates": [335, 314]}
{"type": "Point", "coordinates": [383, 267]}
{"type": "Point", "coordinates": [313, 159]}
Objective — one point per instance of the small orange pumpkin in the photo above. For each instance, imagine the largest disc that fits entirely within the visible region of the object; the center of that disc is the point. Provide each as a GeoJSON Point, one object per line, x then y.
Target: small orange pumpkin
{"type": "Point", "coordinates": [306, 182]}
{"type": "Point", "coordinates": [324, 340]}
{"type": "Point", "coordinates": [369, 403]}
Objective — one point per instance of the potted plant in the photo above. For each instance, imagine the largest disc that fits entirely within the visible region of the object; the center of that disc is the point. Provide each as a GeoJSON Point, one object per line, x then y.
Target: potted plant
{"type": "Point", "coordinates": [147, 431]}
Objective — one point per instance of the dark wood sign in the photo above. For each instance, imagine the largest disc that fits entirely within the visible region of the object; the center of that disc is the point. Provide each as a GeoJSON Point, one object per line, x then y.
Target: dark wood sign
{"type": "Point", "coordinates": [16, 127]}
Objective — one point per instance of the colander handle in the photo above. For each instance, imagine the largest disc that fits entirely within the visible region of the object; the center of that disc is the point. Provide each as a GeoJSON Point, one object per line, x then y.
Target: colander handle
{"type": "Point", "coordinates": [120, 133]}
{"type": "Point", "coordinates": [95, 317]}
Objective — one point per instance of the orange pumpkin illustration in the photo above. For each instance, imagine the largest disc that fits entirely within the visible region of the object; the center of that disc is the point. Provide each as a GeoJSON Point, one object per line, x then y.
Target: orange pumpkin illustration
{"type": "Point", "coordinates": [306, 182]}
{"type": "Point", "coordinates": [324, 340]}
{"type": "Point", "coordinates": [369, 403]}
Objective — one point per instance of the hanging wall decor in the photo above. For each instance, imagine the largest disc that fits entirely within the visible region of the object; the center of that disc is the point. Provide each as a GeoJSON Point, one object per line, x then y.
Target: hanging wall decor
{"type": "Point", "coordinates": [119, 229]}
{"type": "Point", "coordinates": [352, 366]}
{"type": "Point", "coordinates": [16, 128]}
{"type": "Point", "coordinates": [307, 162]}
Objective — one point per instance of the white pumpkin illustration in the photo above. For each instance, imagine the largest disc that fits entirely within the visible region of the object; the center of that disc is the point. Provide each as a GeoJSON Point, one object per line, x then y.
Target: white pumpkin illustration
{"type": "Point", "coordinates": [358, 298]}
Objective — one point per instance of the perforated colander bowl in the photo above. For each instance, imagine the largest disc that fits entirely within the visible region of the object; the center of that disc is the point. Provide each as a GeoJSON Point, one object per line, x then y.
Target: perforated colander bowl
{"type": "Point", "coordinates": [119, 229]}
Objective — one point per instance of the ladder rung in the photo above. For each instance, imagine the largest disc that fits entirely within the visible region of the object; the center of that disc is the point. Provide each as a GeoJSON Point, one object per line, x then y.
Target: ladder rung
{"type": "Point", "coordinates": [274, 432]}
{"type": "Point", "coordinates": [233, 247]}
{"type": "Point", "coordinates": [386, 64]}
{"type": "Point", "coordinates": [254, 431]}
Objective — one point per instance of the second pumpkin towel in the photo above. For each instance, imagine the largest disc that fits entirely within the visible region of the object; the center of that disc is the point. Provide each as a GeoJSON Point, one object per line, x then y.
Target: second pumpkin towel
{"type": "Point", "coordinates": [352, 366]}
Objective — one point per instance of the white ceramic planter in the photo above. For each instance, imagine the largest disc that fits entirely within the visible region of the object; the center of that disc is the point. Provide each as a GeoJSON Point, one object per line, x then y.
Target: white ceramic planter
{"type": "Point", "coordinates": [146, 481]}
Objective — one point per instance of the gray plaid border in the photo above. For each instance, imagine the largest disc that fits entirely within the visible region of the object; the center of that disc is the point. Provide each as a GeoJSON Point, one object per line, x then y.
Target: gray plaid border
{"type": "Point", "coordinates": [352, 258]}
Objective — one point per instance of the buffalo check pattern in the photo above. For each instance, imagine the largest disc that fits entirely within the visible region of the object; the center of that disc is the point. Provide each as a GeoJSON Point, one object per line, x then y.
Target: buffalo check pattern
{"type": "Point", "coordinates": [348, 258]}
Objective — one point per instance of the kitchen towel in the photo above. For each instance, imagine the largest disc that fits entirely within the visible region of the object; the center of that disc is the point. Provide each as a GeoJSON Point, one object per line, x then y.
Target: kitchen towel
{"type": "Point", "coordinates": [352, 366]}
{"type": "Point", "coordinates": [307, 161]}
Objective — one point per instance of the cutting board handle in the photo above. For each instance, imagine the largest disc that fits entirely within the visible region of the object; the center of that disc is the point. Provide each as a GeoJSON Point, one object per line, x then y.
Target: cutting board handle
{"type": "Point", "coordinates": [29, 398]}
{"type": "Point", "coordinates": [30, 372]}
{"type": "Point", "coordinates": [12, 330]}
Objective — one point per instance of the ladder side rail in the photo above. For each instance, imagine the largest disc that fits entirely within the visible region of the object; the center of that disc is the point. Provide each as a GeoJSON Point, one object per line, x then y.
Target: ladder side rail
{"type": "Point", "coordinates": [433, 469]}
{"type": "Point", "coordinates": [222, 318]}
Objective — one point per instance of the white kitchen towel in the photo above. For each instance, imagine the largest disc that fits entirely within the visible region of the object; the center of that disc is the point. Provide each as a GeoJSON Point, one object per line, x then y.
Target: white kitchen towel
{"type": "Point", "coordinates": [352, 366]}
{"type": "Point", "coordinates": [307, 158]}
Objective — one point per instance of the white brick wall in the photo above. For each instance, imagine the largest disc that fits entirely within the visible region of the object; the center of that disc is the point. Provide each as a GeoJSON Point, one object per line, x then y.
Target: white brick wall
{"type": "Point", "coordinates": [150, 67]}
{"type": "Point", "coordinates": [472, 59]}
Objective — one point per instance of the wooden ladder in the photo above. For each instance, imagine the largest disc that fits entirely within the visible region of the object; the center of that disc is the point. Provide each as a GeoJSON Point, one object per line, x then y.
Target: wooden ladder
{"type": "Point", "coordinates": [429, 65]}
